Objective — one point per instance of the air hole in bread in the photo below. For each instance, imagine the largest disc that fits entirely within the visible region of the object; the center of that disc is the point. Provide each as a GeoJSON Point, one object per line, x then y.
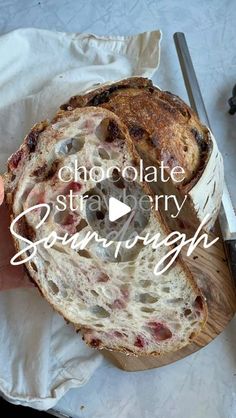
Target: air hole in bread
{"type": "Point", "coordinates": [13, 177]}
{"type": "Point", "coordinates": [214, 188]}
{"type": "Point", "coordinates": [117, 179]}
{"type": "Point", "coordinates": [84, 253]}
{"type": "Point", "coordinates": [66, 286]}
{"type": "Point", "coordinates": [102, 278]}
{"type": "Point", "coordinates": [94, 293]}
{"type": "Point", "coordinates": [102, 130]}
{"type": "Point", "coordinates": [146, 309]}
{"type": "Point", "coordinates": [53, 287]}
{"type": "Point", "coordinates": [71, 145]}
{"type": "Point", "coordinates": [187, 312]}
{"type": "Point", "coordinates": [108, 131]}
{"type": "Point", "coordinates": [99, 215]}
{"type": "Point", "coordinates": [116, 155]}
{"type": "Point", "coordinates": [43, 212]}
{"type": "Point", "coordinates": [99, 311]}
{"type": "Point", "coordinates": [145, 283]}
{"type": "Point", "coordinates": [160, 331]}
{"type": "Point", "coordinates": [185, 148]}
{"type": "Point", "coordinates": [99, 186]}
{"type": "Point", "coordinates": [175, 301]}
{"type": "Point", "coordinates": [34, 267]}
{"type": "Point", "coordinates": [103, 154]}
{"type": "Point", "coordinates": [97, 162]}
{"type": "Point", "coordinates": [59, 248]}
{"type": "Point", "coordinates": [166, 289]}
{"type": "Point", "coordinates": [124, 332]}
{"type": "Point", "coordinates": [64, 147]}
{"type": "Point", "coordinates": [93, 194]}
{"type": "Point", "coordinates": [96, 172]}
{"type": "Point", "coordinates": [78, 142]}
{"type": "Point", "coordinates": [82, 175]}
{"type": "Point", "coordinates": [150, 266]}
{"type": "Point", "coordinates": [148, 298]}
{"type": "Point", "coordinates": [81, 225]}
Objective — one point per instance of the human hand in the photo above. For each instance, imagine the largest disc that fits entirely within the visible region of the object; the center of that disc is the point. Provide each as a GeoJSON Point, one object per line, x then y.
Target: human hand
{"type": "Point", "coordinates": [10, 276]}
{"type": "Point", "coordinates": [1, 190]}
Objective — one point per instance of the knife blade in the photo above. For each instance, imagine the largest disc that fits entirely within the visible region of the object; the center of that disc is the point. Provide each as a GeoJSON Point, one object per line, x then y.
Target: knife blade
{"type": "Point", "coordinates": [227, 216]}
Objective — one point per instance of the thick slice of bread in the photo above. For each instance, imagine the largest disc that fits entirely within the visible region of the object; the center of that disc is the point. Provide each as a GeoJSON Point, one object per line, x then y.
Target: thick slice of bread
{"type": "Point", "coordinates": [121, 305]}
{"type": "Point", "coordinates": [164, 128]}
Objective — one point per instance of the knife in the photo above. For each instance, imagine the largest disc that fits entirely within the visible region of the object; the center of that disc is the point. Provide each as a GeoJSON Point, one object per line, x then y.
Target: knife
{"type": "Point", "coordinates": [227, 216]}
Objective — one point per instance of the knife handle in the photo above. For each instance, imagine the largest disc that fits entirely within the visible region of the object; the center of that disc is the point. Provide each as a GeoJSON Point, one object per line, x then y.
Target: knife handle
{"type": "Point", "coordinates": [230, 246]}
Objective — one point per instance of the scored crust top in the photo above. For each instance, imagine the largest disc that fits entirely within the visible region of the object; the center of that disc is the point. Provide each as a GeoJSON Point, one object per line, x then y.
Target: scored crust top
{"type": "Point", "coordinates": [161, 125]}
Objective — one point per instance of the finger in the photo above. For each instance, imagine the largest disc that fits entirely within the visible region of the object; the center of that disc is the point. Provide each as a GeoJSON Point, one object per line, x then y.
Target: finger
{"type": "Point", "coordinates": [1, 190]}
{"type": "Point", "coordinates": [10, 276]}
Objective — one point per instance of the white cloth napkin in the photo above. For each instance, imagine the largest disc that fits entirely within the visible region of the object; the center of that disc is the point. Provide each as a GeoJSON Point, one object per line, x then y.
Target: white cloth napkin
{"type": "Point", "coordinates": [40, 356]}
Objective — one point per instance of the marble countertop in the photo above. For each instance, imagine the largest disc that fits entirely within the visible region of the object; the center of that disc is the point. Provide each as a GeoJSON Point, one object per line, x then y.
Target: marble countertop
{"type": "Point", "coordinates": [204, 384]}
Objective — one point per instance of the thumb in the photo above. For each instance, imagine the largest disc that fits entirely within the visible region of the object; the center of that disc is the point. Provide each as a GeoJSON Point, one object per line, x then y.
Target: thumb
{"type": "Point", "coordinates": [1, 190]}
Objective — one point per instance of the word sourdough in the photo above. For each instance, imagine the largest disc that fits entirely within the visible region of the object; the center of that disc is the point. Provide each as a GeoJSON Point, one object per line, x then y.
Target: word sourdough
{"type": "Point", "coordinates": [174, 238]}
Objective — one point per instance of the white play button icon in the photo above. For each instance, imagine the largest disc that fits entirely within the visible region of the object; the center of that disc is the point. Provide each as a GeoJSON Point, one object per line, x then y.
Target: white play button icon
{"type": "Point", "coordinates": [117, 209]}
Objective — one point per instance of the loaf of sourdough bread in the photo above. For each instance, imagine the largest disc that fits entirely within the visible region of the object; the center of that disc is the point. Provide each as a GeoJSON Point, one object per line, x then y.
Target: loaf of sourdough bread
{"type": "Point", "coordinates": [164, 128]}
{"type": "Point", "coordinates": [117, 304]}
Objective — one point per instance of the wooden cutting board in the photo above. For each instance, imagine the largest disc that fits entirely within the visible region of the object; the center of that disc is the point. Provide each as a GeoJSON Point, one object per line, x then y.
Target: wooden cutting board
{"type": "Point", "coordinates": [211, 271]}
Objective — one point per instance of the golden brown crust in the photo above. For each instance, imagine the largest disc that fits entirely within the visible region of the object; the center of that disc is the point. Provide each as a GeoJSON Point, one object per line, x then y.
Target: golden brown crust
{"type": "Point", "coordinates": [160, 124]}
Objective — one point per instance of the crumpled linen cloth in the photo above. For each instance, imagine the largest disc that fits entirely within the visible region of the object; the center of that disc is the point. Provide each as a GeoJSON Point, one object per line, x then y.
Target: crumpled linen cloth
{"type": "Point", "coordinates": [41, 357]}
